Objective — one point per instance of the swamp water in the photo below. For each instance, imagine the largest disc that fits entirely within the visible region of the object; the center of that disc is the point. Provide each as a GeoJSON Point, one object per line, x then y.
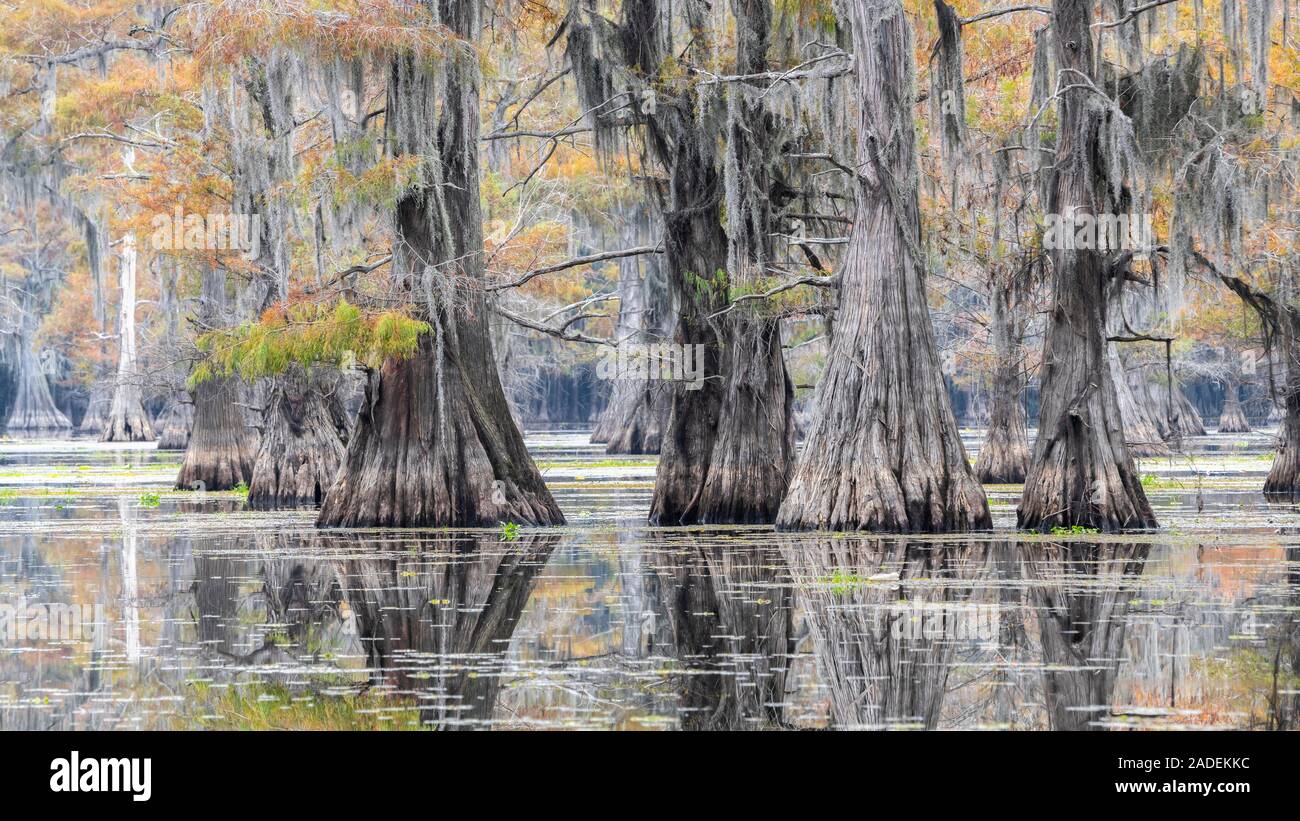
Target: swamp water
{"type": "Point", "coordinates": [125, 605]}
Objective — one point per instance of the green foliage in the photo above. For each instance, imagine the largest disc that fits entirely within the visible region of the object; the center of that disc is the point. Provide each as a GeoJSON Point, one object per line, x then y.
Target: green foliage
{"type": "Point", "coordinates": [1073, 530]}
{"type": "Point", "coordinates": [509, 531]}
{"type": "Point", "coordinates": [241, 488]}
{"type": "Point", "coordinates": [150, 500]}
{"type": "Point", "coordinates": [306, 335]}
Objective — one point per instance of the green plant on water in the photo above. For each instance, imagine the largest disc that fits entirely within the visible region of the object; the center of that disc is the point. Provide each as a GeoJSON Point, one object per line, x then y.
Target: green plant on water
{"type": "Point", "coordinates": [1073, 530]}
{"type": "Point", "coordinates": [509, 531]}
{"type": "Point", "coordinates": [241, 488]}
{"type": "Point", "coordinates": [150, 499]}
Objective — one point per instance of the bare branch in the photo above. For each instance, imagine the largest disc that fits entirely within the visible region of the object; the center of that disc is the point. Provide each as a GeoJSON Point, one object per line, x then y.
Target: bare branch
{"type": "Point", "coordinates": [574, 263]}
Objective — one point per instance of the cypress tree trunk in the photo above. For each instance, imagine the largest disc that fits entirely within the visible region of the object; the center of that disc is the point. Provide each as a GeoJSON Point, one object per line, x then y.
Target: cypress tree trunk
{"type": "Point", "coordinates": [174, 424]}
{"type": "Point", "coordinates": [753, 452]}
{"type": "Point", "coordinates": [222, 446]}
{"type": "Point", "coordinates": [1145, 421]}
{"type": "Point", "coordinates": [435, 444]}
{"type": "Point", "coordinates": [637, 413]}
{"type": "Point", "coordinates": [222, 443]}
{"type": "Point", "coordinates": [1004, 458]}
{"type": "Point", "coordinates": [1284, 476]}
{"type": "Point", "coordinates": [1187, 419]}
{"type": "Point", "coordinates": [304, 427]}
{"type": "Point", "coordinates": [696, 255]}
{"type": "Point", "coordinates": [127, 421]}
{"type": "Point", "coordinates": [1232, 419]}
{"type": "Point", "coordinates": [884, 452]}
{"type": "Point", "coordinates": [1081, 472]}
{"type": "Point", "coordinates": [33, 409]}
{"type": "Point", "coordinates": [96, 415]}
{"type": "Point", "coordinates": [725, 454]}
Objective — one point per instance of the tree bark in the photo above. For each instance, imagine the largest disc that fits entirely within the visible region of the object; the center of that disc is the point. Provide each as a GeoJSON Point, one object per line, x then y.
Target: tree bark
{"type": "Point", "coordinates": [1145, 420]}
{"type": "Point", "coordinates": [100, 399]}
{"type": "Point", "coordinates": [1004, 457]}
{"type": "Point", "coordinates": [33, 409]}
{"type": "Point", "coordinates": [222, 446]}
{"type": "Point", "coordinates": [174, 424]}
{"type": "Point", "coordinates": [127, 420]}
{"type": "Point", "coordinates": [1284, 476]}
{"type": "Point", "coordinates": [1232, 419]}
{"type": "Point", "coordinates": [1187, 419]}
{"type": "Point", "coordinates": [725, 454]}
{"type": "Point", "coordinates": [637, 413]}
{"type": "Point", "coordinates": [1081, 472]}
{"type": "Point", "coordinates": [884, 452]}
{"type": "Point", "coordinates": [435, 444]}
{"type": "Point", "coordinates": [303, 431]}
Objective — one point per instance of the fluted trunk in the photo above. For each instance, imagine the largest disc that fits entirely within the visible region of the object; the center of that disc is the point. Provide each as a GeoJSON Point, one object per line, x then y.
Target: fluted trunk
{"type": "Point", "coordinates": [1004, 457]}
{"type": "Point", "coordinates": [1081, 472]}
{"type": "Point", "coordinates": [303, 431]}
{"type": "Point", "coordinates": [1232, 419]}
{"type": "Point", "coordinates": [127, 420]}
{"type": "Point", "coordinates": [33, 410]}
{"type": "Point", "coordinates": [884, 452]}
{"type": "Point", "coordinates": [222, 446]}
{"type": "Point", "coordinates": [435, 444]}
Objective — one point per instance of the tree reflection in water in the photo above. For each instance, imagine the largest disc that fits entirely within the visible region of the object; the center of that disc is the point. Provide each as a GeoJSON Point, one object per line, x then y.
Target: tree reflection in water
{"type": "Point", "coordinates": [885, 616]}
{"type": "Point", "coordinates": [729, 617]}
{"type": "Point", "coordinates": [436, 621]}
{"type": "Point", "coordinates": [1081, 592]}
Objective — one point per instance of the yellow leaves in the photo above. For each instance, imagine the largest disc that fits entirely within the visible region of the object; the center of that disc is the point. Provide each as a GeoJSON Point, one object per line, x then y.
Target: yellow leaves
{"type": "Point", "coordinates": [307, 334]}
{"type": "Point", "coordinates": [343, 29]}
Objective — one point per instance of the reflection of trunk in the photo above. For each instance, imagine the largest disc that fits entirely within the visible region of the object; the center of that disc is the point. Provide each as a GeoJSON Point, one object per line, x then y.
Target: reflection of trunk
{"type": "Point", "coordinates": [1284, 712]}
{"type": "Point", "coordinates": [174, 424]}
{"type": "Point", "coordinates": [435, 444]}
{"type": "Point", "coordinates": [884, 452]}
{"type": "Point", "coordinates": [731, 625]}
{"type": "Point", "coordinates": [1081, 593]}
{"type": "Point", "coordinates": [302, 442]}
{"type": "Point", "coordinates": [130, 580]}
{"type": "Point", "coordinates": [216, 602]}
{"type": "Point", "coordinates": [127, 421]}
{"type": "Point", "coordinates": [438, 624]}
{"type": "Point", "coordinates": [1232, 419]}
{"type": "Point", "coordinates": [885, 647]}
{"type": "Point", "coordinates": [1081, 472]}
{"type": "Point", "coordinates": [222, 446]}
{"type": "Point", "coordinates": [33, 410]}
{"type": "Point", "coordinates": [1004, 458]}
